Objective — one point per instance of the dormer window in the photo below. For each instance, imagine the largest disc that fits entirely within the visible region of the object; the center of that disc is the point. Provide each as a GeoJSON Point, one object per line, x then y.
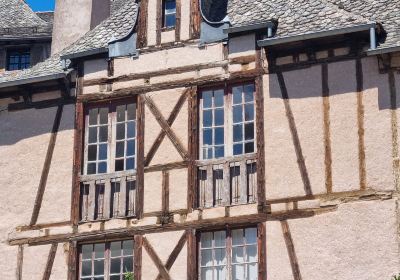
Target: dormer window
{"type": "Point", "coordinates": [169, 13]}
{"type": "Point", "coordinates": [18, 59]}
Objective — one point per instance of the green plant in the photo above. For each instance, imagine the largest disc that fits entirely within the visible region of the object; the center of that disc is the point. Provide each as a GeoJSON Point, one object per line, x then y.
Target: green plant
{"type": "Point", "coordinates": [128, 276]}
{"type": "Point", "coordinates": [396, 277]}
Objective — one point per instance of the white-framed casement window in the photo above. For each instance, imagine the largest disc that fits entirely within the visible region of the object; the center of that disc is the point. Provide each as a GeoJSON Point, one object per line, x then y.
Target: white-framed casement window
{"type": "Point", "coordinates": [110, 138]}
{"type": "Point", "coordinates": [227, 121]}
{"type": "Point", "coordinates": [169, 13]}
{"type": "Point", "coordinates": [229, 254]}
{"type": "Point", "coordinates": [106, 261]}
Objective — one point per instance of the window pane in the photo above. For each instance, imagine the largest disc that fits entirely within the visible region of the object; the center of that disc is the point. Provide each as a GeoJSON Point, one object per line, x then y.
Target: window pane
{"type": "Point", "coordinates": [99, 267]}
{"type": "Point", "coordinates": [237, 255]}
{"type": "Point", "coordinates": [207, 99]}
{"type": "Point", "coordinates": [86, 268]}
{"type": "Point", "coordinates": [219, 98]}
{"type": "Point", "coordinates": [131, 111]}
{"type": "Point", "coordinates": [99, 250]}
{"type": "Point", "coordinates": [220, 273]}
{"type": "Point", "coordinates": [119, 165]}
{"type": "Point", "coordinates": [115, 248]}
{"type": "Point", "coordinates": [249, 93]}
{"type": "Point", "coordinates": [170, 5]}
{"type": "Point", "coordinates": [102, 151]}
{"type": "Point", "coordinates": [237, 237]}
{"type": "Point", "coordinates": [120, 131]}
{"type": "Point", "coordinates": [249, 112]}
{"type": "Point", "coordinates": [237, 114]}
{"type": "Point", "coordinates": [249, 131]}
{"type": "Point", "coordinates": [103, 115]}
{"type": "Point", "coordinates": [220, 256]}
{"type": "Point", "coordinates": [207, 137]}
{"type": "Point", "coordinates": [251, 253]}
{"type": "Point", "coordinates": [249, 147]}
{"type": "Point", "coordinates": [252, 271]}
{"type": "Point", "coordinates": [251, 235]}
{"type": "Point", "coordinates": [219, 151]}
{"type": "Point", "coordinates": [130, 148]}
{"type": "Point", "coordinates": [128, 264]}
{"type": "Point", "coordinates": [121, 113]}
{"type": "Point", "coordinates": [115, 277]}
{"type": "Point", "coordinates": [115, 265]}
{"type": "Point", "coordinates": [238, 272]}
{"type": "Point", "coordinates": [92, 134]}
{"type": "Point", "coordinates": [207, 118]}
{"type": "Point", "coordinates": [92, 152]}
{"type": "Point", "coordinates": [131, 130]}
{"type": "Point", "coordinates": [93, 116]}
{"type": "Point", "coordinates": [237, 133]}
{"type": "Point", "coordinates": [238, 149]}
{"type": "Point", "coordinates": [206, 257]}
{"type": "Point", "coordinates": [219, 135]}
{"type": "Point", "coordinates": [102, 168]}
{"type": "Point", "coordinates": [91, 168]}
{"type": "Point", "coordinates": [127, 247]}
{"type": "Point", "coordinates": [220, 238]}
{"type": "Point", "coordinates": [103, 133]}
{"type": "Point", "coordinates": [99, 278]}
{"type": "Point", "coordinates": [120, 149]}
{"type": "Point", "coordinates": [219, 117]}
{"type": "Point", "coordinates": [237, 94]}
{"type": "Point", "coordinates": [130, 164]}
{"type": "Point", "coordinates": [206, 273]}
{"type": "Point", "coordinates": [87, 252]}
{"type": "Point", "coordinates": [206, 240]}
{"type": "Point", "coordinates": [170, 20]}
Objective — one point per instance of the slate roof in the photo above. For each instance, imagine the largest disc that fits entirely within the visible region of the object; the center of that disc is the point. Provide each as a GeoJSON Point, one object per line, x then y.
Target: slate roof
{"type": "Point", "coordinates": [46, 16]}
{"type": "Point", "coordinates": [116, 26]}
{"type": "Point", "coordinates": [17, 20]}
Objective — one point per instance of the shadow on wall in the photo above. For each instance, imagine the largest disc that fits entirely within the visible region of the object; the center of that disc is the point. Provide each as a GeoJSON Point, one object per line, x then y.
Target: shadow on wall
{"type": "Point", "coordinates": [342, 78]}
{"type": "Point", "coordinates": [24, 124]}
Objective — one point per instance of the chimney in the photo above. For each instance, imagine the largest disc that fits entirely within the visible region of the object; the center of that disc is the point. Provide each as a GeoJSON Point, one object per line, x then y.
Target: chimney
{"type": "Point", "coordinates": [73, 18]}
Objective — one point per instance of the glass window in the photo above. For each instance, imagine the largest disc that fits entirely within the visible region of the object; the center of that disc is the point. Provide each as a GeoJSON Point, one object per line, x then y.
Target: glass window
{"type": "Point", "coordinates": [220, 255]}
{"type": "Point", "coordinates": [110, 139]}
{"type": "Point", "coordinates": [169, 13]}
{"type": "Point", "coordinates": [18, 59]}
{"type": "Point", "coordinates": [227, 122]}
{"type": "Point", "coordinates": [106, 261]}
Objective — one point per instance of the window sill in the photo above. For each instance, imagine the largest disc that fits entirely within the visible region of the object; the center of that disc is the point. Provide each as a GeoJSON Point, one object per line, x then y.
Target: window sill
{"type": "Point", "coordinates": [105, 176]}
{"type": "Point", "coordinates": [252, 156]}
{"type": "Point", "coordinates": [166, 29]}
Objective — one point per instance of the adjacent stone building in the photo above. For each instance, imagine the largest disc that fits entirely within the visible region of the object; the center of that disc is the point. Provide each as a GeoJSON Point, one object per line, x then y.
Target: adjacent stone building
{"type": "Point", "coordinates": [201, 139]}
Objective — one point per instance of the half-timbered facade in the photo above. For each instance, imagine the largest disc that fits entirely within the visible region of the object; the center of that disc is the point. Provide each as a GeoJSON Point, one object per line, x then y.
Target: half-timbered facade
{"type": "Point", "coordinates": [196, 139]}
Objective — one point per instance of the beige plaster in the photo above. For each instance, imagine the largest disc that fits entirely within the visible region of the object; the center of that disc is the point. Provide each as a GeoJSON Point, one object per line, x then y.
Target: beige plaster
{"type": "Point", "coordinates": [185, 20]}
{"type": "Point", "coordinates": [167, 36]}
{"type": "Point", "coordinates": [178, 181]}
{"type": "Point", "coordinates": [95, 68]}
{"type": "Point", "coordinates": [34, 262]}
{"type": "Point", "coordinates": [242, 45]}
{"type": "Point", "coordinates": [46, 96]}
{"type": "Point", "coordinates": [343, 125]}
{"type": "Point", "coordinates": [60, 265]}
{"type": "Point", "coordinates": [151, 22]}
{"type": "Point", "coordinates": [152, 191]}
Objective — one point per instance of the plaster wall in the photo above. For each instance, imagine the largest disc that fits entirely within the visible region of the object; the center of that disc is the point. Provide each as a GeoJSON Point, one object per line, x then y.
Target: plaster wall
{"type": "Point", "coordinates": [95, 69]}
{"type": "Point", "coordinates": [242, 46]}
{"type": "Point", "coordinates": [358, 240]}
{"type": "Point", "coordinates": [185, 20]}
{"type": "Point", "coordinates": [151, 22]}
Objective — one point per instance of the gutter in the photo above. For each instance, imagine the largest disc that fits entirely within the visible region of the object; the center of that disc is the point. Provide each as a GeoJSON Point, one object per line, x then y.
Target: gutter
{"type": "Point", "coordinates": [251, 27]}
{"type": "Point", "coordinates": [315, 35]}
{"type": "Point", "coordinates": [32, 80]}
{"type": "Point", "coordinates": [84, 53]}
{"type": "Point", "coordinates": [378, 51]}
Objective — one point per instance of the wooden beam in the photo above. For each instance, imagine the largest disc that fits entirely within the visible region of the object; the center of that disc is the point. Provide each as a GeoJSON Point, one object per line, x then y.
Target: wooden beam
{"type": "Point", "coordinates": [171, 119]}
{"type": "Point", "coordinates": [191, 255]}
{"type": "Point", "coordinates": [20, 261]}
{"type": "Point", "coordinates": [159, 22]}
{"type": "Point", "coordinates": [46, 166]}
{"type": "Point", "coordinates": [291, 250]}
{"type": "Point", "coordinates": [153, 255]}
{"type": "Point", "coordinates": [178, 21]}
{"type": "Point", "coordinates": [50, 261]}
{"type": "Point", "coordinates": [360, 121]}
{"type": "Point", "coordinates": [193, 149]}
{"type": "Point", "coordinates": [138, 257]}
{"type": "Point", "coordinates": [50, 103]}
{"type": "Point", "coordinates": [72, 261]}
{"type": "Point", "coordinates": [140, 156]}
{"type": "Point", "coordinates": [164, 125]}
{"type": "Point", "coordinates": [77, 160]}
{"type": "Point", "coordinates": [195, 19]}
{"type": "Point", "coordinates": [142, 24]}
{"type": "Point", "coordinates": [327, 128]}
{"type": "Point", "coordinates": [262, 252]}
{"type": "Point", "coordinates": [165, 194]}
{"type": "Point", "coordinates": [174, 254]}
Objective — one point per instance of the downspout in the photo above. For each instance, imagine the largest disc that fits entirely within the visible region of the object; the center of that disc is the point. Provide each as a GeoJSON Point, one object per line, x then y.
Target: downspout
{"type": "Point", "coordinates": [372, 35]}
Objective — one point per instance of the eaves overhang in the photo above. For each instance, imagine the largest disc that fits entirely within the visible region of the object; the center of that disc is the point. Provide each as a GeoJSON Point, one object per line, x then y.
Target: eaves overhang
{"type": "Point", "coordinates": [315, 35]}
{"type": "Point", "coordinates": [384, 50]}
{"type": "Point", "coordinates": [250, 27]}
{"type": "Point", "coordinates": [84, 53]}
{"type": "Point", "coordinates": [33, 80]}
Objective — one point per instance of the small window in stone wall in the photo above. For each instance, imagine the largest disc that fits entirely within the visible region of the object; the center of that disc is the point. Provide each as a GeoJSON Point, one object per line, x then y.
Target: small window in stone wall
{"type": "Point", "coordinates": [18, 59]}
{"type": "Point", "coordinates": [169, 13]}
{"type": "Point", "coordinates": [106, 261]}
